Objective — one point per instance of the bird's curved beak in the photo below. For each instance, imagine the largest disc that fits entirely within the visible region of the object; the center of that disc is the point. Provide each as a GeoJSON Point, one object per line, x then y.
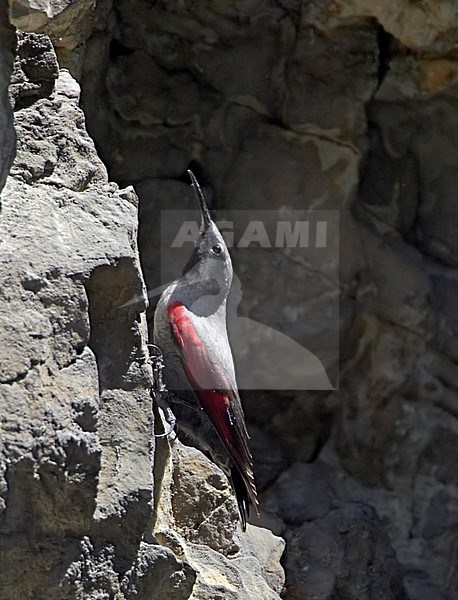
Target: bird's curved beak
{"type": "Point", "coordinates": [206, 219]}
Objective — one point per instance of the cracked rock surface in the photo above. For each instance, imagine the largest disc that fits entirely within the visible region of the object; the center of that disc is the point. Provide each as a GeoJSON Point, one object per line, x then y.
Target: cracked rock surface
{"type": "Point", "coordinates": [323, 105]}
{"type": "Point", "coordinates": [77, 456]}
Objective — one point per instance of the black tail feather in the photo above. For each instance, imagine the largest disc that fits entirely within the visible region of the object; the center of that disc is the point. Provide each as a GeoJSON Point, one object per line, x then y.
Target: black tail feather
{"type": "Point", "coordinates": [241, 493]}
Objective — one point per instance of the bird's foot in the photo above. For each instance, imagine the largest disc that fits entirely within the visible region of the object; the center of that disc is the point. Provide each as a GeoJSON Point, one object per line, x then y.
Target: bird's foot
{"type": "Point", "coordinates": [171, 421]}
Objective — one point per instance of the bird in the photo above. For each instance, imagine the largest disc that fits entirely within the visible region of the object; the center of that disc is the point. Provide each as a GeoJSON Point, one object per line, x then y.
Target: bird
{"type": "Point", "coordinates": [190, 330]}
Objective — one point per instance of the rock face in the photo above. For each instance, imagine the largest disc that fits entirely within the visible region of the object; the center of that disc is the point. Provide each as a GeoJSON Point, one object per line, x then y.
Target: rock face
{"type": "Point", "coordinates": [67, 22]}
{"type": "Point", "coordinates": [321, 105]}
{"type": "Point", "coordinates": [347, 554]}
{"type": "Point", "coordinates": [68, 261]}
{"type": "Point", "coordinates": [77, 445]}
{"type": "Point", "coordinates": [7, 136]}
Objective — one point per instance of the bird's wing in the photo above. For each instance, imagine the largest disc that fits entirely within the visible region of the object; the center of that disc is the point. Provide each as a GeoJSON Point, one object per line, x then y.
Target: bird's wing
{"type": "Point", "coordinates": [217, 396]}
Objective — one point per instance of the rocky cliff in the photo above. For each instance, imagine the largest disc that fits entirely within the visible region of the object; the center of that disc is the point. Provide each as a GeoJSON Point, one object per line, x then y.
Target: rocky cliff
{"type": "Point", "coordinates": [330, 105]}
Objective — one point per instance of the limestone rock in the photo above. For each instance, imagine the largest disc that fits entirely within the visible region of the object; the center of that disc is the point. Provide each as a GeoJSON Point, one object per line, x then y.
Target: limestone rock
{"type": "Point", "coordinates": [419, 587]}
{"type": "Point", "coordinates": [35, 69]}
{"type": "Point", "coordinates": [158, 574]}
{"type": "Point", "coordinates": [344, 554]}
{"type": "Point", "coordinates": [430, 27]}
{"type": "Point", "coordinates": [268, 550]}
{"type": "Point", "coordinates": [302, 493]}
{"type": "Point", "coordinates": [220, 577]}
{"type": "Point", "coordinates": [67, 22]}
{"type": "Point", "coordinates": [203, 504]}
{"type": "Point", "coordinates": [68, 263]}
{"type": "Point", "coordinates": [330, 104]}
{"type": "Point", "coordinates": [7, 134]}
{"type": "Point", "coordinates": [78, 440]}
{"type": "Point", "coordinates": [353, 110]}
{"type": "Point", "coordinates": [155, 571]}
{"type": "Point", "coordinates": [197, 517]}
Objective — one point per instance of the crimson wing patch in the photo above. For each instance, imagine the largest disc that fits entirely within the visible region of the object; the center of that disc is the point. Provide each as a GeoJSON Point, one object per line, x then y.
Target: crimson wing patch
{"type": "Point", "coordinates": [216, 395]}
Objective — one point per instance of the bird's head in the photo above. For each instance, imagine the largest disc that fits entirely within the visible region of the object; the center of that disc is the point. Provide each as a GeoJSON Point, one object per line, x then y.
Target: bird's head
{"type": "Point", "coordinates": [207, 276]}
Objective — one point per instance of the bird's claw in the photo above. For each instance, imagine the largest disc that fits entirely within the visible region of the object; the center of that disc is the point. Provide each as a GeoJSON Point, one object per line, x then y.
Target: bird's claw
{"type": "Point", "coordinates": [171, 420]}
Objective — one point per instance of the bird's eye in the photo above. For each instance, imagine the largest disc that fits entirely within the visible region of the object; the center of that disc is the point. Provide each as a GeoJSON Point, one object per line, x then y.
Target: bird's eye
{"type": "Point", "coordinates": [216, 249]}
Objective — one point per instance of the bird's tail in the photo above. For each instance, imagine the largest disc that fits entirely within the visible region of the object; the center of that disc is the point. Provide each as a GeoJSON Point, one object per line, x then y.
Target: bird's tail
{"type": "Point", "coordinates": [245, 492]}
